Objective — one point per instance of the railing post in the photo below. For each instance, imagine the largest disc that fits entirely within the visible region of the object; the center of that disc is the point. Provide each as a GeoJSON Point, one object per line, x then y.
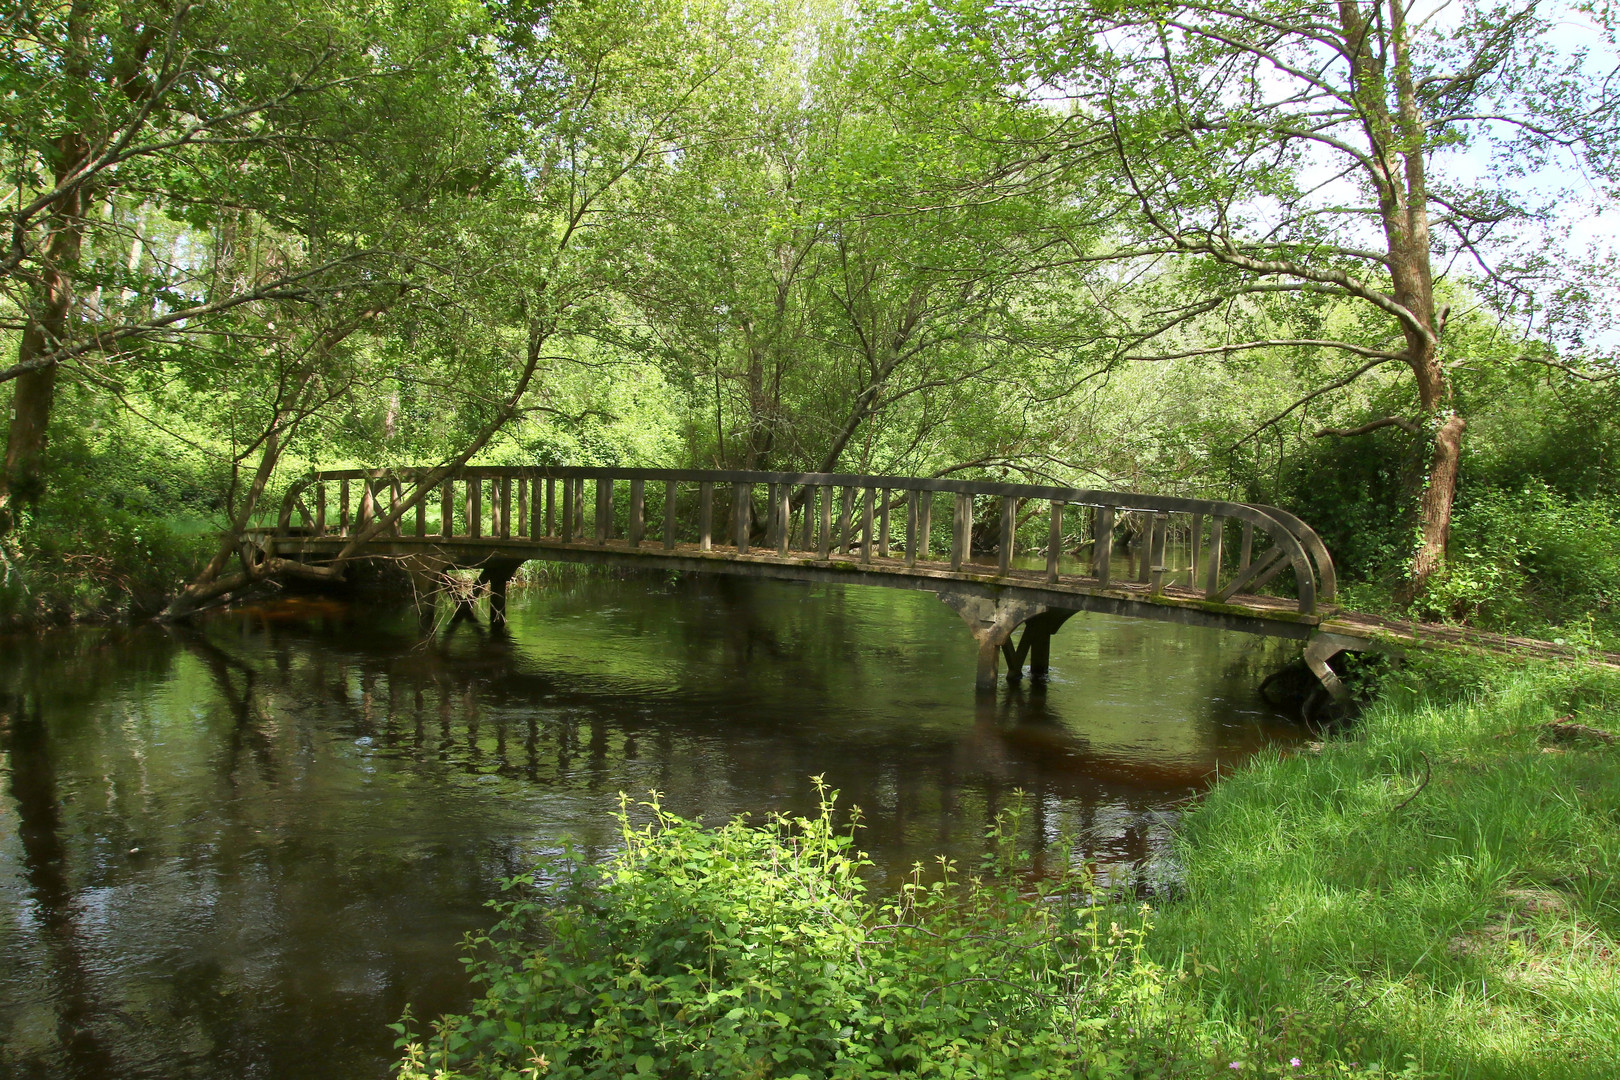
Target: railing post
{"type": "Point", "coordinates": [568, 510]}
{"type": "Point", "coordinates": [604, 510]}
{"type": "Point", "coordinates": [343, 506]}
{"type": "Point", "coordinates": [320, 508]}
{"type": "Point", "coordinates": [866, 526]}
{"type": "Point", "coordinates": [1194, 550]}
{"type": "Point", "coordinates": [770, 515]}
{"type": "Point", "coordinates": [1144, 548]}
{"type": "Point", "coordinates": [421, 503]}
{"type": "Point", "coordinates": [638, 494]}
{"type": "Point", "coordinates": [925, 525]}
{"type": "Point", "coordinates": [705, 516]}
{"type": "Point", "coordinates": [824, 541]}
{"type": "Point", "coordinates": [1009, 531]}
{"type": "Point", "coordinates": [368, 502]}
{"type": "Point", "coordinates": [846, 514]}
{"type": "Point", "coordinates": [911, 527]}
{"type": "Point", "coordinates": [883, 524]}
{"type": "Point", "coordinates": [1102, 545]}
{"type": "Point", "coordinates": [447, 508]}
{"type": "Point", "coordinates": [475, 506]}
{"type": "Point", "coordinates": [551, 506]}
{"type": "Point", "coordinates": [742, 498]}
{"type": "Point", "coordinates": [535, 528]}
{"type": "Point", "coordinates": [808, 534]}
{"type": "Point", "coordinates": [1217, 537]}
{"type": "Point", "coordinates": [1054, 542]}
{"type": "Point", "coordinates": [1246, 553]}
{"type": "Point", "coordinates": [962, 532]}
{"type": "Point", "coordinates": [784, 508]}
{"type": "Point", "coordinates": [669, 515]}
{"type": "Point", "coordinates": [505, 484]}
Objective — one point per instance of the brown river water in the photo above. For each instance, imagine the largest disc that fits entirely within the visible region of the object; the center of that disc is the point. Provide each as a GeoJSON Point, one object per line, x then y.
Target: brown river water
{"type": "Point", "coordinates": [239, 850]}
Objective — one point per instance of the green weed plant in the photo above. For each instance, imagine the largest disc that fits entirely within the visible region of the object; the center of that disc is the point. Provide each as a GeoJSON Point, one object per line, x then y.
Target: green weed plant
{"type": "Point", "coordinates": [745, 951]}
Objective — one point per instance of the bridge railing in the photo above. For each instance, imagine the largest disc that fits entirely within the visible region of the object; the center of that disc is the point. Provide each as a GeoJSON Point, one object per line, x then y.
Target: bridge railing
{"type": "Point", "coordinates": [1214, 548]}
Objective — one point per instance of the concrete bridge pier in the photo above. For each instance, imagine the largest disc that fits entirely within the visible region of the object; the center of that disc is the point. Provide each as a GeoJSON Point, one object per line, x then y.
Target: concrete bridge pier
{"type": "Point", "coordinates": [992, 622]}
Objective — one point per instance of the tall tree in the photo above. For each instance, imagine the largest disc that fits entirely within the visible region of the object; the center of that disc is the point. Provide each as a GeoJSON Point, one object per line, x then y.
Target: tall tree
{"type": "Point", "coordinates": [1311, 152]}
{"type": "Point", "coordinates": [580, 99]}
{"type": "Point", "coordinates": [858, 243]}
{"type": "Point", "coordinates": [124, 119]}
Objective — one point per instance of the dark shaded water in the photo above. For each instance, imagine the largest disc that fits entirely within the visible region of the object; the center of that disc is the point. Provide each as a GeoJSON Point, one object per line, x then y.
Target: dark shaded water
{"type": "Point", "coordinates": [238, 851]}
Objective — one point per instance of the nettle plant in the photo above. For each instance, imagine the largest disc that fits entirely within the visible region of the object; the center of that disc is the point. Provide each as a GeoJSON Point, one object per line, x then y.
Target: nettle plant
{"type": "Point", "coordinates": [756, 951]}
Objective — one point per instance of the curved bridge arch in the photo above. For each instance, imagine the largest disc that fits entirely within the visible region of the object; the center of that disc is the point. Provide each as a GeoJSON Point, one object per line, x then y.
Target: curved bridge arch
{"type": "Point", "coordinates": [1194, 561]}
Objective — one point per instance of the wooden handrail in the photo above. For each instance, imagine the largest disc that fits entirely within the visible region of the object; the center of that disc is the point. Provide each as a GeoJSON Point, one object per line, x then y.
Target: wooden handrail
{"type": "Point", "coordinates": [1292, 544]}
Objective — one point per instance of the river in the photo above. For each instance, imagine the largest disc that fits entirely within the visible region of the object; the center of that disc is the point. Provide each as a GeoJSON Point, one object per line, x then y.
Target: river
{"type": "Point", "coordinates": [239, 850]}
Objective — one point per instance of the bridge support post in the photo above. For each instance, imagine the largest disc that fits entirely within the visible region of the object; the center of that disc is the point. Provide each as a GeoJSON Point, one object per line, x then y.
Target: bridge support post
{"type": "Point", "coordinates": [992, 622]}
{"type": "Point", "coordinates": [1323, 646]}
{"type": "Point", "coordinates": [1036, 644]}
{"type": "Point", "coordinates": [497, 574]}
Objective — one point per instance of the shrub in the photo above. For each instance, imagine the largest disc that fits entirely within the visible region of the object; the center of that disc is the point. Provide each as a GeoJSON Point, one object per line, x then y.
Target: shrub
{"type": "Point", "coordinates": [1532, 559]}
{"type": "Point", "coordinates": [754, 952]}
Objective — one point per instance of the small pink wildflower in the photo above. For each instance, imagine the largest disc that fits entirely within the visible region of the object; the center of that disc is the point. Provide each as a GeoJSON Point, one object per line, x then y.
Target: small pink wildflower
{"type": "Point", "coordinates": [1294, 1063]}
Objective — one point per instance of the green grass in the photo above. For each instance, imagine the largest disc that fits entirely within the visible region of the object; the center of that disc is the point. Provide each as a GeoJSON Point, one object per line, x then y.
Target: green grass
{"type": "Point", "coordinates": [1438, 887]}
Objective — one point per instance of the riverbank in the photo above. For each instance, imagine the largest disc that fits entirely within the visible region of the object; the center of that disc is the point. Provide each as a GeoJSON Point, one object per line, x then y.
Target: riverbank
{"type": "Point", "coordinates": [1440, 887]}
{"type": "Point", "coordinates": [1432, 894]}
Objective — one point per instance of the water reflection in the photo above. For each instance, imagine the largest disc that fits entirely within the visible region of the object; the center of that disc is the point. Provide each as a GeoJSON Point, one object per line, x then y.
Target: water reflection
{"type": "Point", "coordinates": [239, 850]}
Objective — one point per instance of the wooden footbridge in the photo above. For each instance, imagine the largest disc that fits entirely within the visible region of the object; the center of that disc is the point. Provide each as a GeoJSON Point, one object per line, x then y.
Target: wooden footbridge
{"type": "Point", "coordinates": [1003, 556]}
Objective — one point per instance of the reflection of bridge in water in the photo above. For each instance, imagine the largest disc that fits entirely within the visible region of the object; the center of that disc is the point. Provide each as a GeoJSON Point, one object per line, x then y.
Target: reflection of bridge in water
{"type": "Point", "coordinates": [1013, 555]}
{"type": "Point", "coordinates": [477, 705]}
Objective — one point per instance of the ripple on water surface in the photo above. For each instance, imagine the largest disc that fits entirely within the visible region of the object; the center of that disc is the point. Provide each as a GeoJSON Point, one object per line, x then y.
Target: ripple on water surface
{"type": "Point", "coordinates": [239, 850]}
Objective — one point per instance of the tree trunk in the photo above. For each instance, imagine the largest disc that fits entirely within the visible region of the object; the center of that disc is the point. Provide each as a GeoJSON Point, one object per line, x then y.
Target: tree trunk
{"type": "Point", "coordinates": [1434, 509]}
{"type": "Point", "coordinates": [23, 481]}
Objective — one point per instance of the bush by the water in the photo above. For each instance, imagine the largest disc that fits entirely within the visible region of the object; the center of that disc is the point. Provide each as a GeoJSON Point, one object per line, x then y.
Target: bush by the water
{"type": "Point", "coordinates": [123, 521]}
{"type": "Point", "coordinates": [744, 951]}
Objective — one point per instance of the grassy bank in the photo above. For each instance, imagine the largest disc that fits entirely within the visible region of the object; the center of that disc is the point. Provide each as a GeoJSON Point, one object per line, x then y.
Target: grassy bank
{"type": "Point", "coordinates": [1441, 886]}
{"type": "Point", "coordinates": [1433, 894]}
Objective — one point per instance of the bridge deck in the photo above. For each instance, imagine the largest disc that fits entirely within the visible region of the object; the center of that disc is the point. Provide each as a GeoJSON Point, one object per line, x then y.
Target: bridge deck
{"type": "Point", "coordinates": [1192, 561]}
{"type": "Point", "coordinates": [1269, 615]}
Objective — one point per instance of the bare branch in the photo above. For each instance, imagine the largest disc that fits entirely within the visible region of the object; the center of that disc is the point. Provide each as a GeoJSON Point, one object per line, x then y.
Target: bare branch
{"type": "Point", "coordinates": [1271, 343]}
{"type": "Point", "coordinates": [1318, 392]}
{"type": "Point", "coordinates": [1389, 421]}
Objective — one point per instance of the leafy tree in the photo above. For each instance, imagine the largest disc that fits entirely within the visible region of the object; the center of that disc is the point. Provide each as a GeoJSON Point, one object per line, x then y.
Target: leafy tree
{"type": "Point", "coordinates": [1306, 155]}
{"type": "Point", "coordinates": [856, 258]}
{"type": "Point", "coordinates": [579, 98]}
{"type": "Point", "coordinates": [173, 163]}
